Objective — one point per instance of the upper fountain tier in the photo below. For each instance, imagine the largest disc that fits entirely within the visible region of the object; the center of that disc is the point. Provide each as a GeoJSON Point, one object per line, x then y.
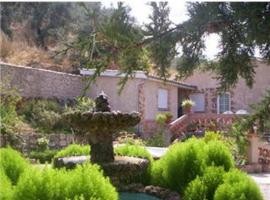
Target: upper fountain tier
{"type": "Point", "coordinates": [103, 119]}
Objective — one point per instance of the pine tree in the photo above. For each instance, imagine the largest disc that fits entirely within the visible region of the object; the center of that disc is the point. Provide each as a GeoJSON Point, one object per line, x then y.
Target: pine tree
{"type": "Point", "coordinates": [242, 26]}
{"type": "Point", "coordinates": [162, 47]}
{"type": "Point", "coordinates": [113, 40]}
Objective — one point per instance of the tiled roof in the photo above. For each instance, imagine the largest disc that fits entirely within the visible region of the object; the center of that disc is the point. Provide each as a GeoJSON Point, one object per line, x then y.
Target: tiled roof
{"type": "Point", "coordinates": [178, 83]}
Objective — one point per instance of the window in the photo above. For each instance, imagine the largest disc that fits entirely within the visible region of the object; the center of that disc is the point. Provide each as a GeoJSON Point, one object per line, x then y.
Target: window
{"type": "Point", "coordinates": [199, 101]}
{"type": "Point", "coordinates": [162, 99]}
{"type": "Point", "coordinates": [223, 103]}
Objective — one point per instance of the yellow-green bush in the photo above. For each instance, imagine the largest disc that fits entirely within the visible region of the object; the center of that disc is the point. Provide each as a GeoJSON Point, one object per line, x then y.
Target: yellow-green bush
{"type": "Point", "coordinates": [180, 165]}
{"type": "Point", "coordinates": [12, 164]}
{"type": "Point", "coordinates": [73, 150]}
{"type": "Point", "coordinates": [134, 151]}
{"type": "Point", "coordinates": [184, 161]}
{"type": "Point", "coordinates": [84, 182]}
{"type": "Point", "coordinates": [43, 156]}
{"type": "Point", "coordinates": [204, 187]}
{"type": "Point", "coordinates": [6, 191]}
{"type": "Point", "coordinates": [196, 190]}
{"type": "Point", "coordinates": [218, 154]}
{"type": "Point", "coordinates": [238, 185]}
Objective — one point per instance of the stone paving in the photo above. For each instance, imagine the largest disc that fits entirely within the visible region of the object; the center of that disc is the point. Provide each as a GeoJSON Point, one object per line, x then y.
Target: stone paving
{"type": "Point", "coordinates": [263, 180]}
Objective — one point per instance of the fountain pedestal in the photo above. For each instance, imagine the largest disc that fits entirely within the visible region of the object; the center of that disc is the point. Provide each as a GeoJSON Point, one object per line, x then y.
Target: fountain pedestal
{"type": "Point", "coordinates": [102, 150]}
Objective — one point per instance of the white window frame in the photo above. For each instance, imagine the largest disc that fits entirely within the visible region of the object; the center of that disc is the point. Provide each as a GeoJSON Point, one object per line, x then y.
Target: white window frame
{"type": "Point", "coordinates": [218, 108]}
{"type": "Point", "coordinates": [161, 105]}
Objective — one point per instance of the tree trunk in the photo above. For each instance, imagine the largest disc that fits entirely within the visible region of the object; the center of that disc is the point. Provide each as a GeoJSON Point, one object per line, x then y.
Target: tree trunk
{"type": "Point", "coordinates": [102, 149]}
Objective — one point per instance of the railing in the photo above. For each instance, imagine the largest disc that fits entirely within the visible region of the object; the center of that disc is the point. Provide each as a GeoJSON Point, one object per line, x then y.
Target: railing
{"type": "Point", "coordinates": [202, 121]}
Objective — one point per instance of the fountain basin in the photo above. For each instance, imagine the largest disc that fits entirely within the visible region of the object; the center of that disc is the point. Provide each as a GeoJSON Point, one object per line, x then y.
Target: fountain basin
{"type": "Point", "coordinates": [136, 196]}
{"type": "Point", "coordinates": [131, 191]}
{"type": "Point", "coordinates": [123, 170]}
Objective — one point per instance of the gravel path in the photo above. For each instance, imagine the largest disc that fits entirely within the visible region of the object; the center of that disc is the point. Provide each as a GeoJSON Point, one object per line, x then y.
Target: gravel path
{"type": "Point", "coordinates": [263, 180]}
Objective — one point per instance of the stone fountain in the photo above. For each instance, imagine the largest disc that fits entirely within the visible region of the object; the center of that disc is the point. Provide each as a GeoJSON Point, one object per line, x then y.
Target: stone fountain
{"type": "Point", "coordinates": [99, 127]}
{"type": "Point", "coordinates": [126, 173]}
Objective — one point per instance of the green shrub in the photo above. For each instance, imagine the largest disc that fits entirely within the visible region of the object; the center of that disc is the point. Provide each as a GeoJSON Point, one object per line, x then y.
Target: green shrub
{"type": "Point", "coordinates": [43, 114]}
{"type": "Point", "coordinates": [73, 150]}
{"type": "Point", "coordinates": [181, 164]}
{"type": "Point", "coordinates": [218, 154]}
{"type": "Point", "coordinates": [12, 164]}
{"type": "Point", "coordinates": [230, 141]}
{"type": "Point", "coordinates": [204, 187]}
{"type": "Point", "coordinates": [9, 100]}
{"type": "Point", "coordinates": [83, 104]}
{"type": "Point", "coordinates": [84, 182]}
{"type": "Point", "coordinates": [196, 190]}
{"type": "Point", "coordinates": [134, 151]}
{"type": "Point", "coordinates": [237, 185]}
{"type": "Point", "coordinates": [157, 140]}
{"type": "Point", "coordinates": [6, 191]}
{"type": "Point", "coordinates": [157, 177]}
{"type": "Point", "coordinates": [211, 135]}
{"type": "Point", "coordinates": [11, 123]}
{"type": "Point", "coordinates": [42, 144]}
{"type": "Point", "coordinates": [163, 118]}
{"type": "Point", "coordinates": [125, 137]}
{"type": "Point", "coordinates": [43, 156]}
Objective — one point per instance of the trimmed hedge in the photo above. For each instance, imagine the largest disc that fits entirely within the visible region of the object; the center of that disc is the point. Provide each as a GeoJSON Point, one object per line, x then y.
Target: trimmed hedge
{"type": "Point", "coordinates": [84, 182]}
{"type": "Point", "coordinates": [12, 163]}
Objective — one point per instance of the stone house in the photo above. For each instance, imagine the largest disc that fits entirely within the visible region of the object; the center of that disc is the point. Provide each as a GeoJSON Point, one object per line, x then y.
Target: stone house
{"type": "Point", "coordinates": [209, 100]}
{"type": "Point", "coordinates": [146, 94]}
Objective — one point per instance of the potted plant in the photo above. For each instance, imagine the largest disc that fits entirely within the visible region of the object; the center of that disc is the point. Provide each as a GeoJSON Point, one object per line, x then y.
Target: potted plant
{"type": "Point", "coordinates": [187, 105]}
{"type": "Point", "coordinates": [169, 117]}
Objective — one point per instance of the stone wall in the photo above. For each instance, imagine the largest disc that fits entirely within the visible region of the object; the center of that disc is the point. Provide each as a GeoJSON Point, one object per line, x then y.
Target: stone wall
{"type": "Point", "coordinates": [32, 82]}
{"type": "Point", "coordinates": [28, 142]}
{"type": "Point", "coordinates": [138, 94]}
{"type": "Point", "coordinates": [259, 153]}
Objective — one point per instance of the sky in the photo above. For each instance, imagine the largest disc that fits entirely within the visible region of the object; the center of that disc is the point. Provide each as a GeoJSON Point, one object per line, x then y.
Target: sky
{"type": "Point", "coordinates": [178, 13]}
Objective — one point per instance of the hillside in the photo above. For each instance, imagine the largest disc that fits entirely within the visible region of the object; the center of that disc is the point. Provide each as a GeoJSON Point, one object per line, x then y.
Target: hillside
{"type": "Point", "coordinates": [32, 34]}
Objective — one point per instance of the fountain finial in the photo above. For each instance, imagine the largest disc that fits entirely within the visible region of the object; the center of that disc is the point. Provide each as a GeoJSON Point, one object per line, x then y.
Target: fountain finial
{"type": "Point", "coordinates": [102, 104]}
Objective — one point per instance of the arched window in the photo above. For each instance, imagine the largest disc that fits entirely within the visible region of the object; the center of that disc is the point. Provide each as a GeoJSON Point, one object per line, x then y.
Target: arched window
{"type": "Point", "coordinates": [223, 103]}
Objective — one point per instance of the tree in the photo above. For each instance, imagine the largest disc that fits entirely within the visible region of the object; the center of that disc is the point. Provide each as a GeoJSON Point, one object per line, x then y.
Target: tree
{"type": "Point", "coordinates": [113, 40]}
{"type": "Point", "coordinates": [242, 26]}
{"type": "Point", "coordinates": [162, 49]}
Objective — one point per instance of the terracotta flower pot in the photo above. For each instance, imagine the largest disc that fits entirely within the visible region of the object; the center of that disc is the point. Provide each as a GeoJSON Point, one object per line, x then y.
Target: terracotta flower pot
{"type": "Point", "coordinates": [187, 110]}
